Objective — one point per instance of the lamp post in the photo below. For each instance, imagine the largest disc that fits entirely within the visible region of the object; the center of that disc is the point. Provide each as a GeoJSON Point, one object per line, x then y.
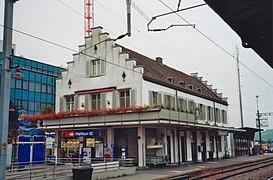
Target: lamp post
{"type": "Point", "coordinates": [259, 124]}
{"type": "Point", "coordinates": [5, 84]}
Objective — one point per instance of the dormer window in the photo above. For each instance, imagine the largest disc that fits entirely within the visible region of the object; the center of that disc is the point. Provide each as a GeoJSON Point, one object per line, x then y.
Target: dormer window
{"type": "Point", "coordinates": [190, 86]}
{"type": "Point", "coordinates": [199, 90]}
{"type": "Point", "coordinates": [170, 79]}
{"type": "Point", "coordinates": [182, 83]}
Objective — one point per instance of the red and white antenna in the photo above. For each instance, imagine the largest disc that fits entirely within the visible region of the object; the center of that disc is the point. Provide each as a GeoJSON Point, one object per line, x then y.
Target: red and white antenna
{"type": "Point", "coordinates": [88, 17]}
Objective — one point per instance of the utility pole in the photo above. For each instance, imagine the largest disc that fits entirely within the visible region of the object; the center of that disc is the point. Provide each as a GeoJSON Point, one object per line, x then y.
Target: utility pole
{"type": "Point", "coordinates": [259, 125]}
{"type": "Point", "coordinates": [239, 84]}
{"type": "Point", "coordinates": [5, 85]}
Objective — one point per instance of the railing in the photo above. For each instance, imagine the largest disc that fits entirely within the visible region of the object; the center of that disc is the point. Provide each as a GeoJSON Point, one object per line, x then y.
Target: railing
{"type": "Point", "coordinates": [62, 167]}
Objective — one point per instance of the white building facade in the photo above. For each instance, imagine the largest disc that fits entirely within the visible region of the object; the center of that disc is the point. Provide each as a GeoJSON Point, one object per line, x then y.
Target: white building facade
{"type": "Point", "coordinates": [143, 107]}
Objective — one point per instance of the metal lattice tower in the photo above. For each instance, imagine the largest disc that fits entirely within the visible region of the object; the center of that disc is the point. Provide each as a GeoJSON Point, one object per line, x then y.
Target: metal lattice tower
{"type": "Point", "coordinates": [88, 17]}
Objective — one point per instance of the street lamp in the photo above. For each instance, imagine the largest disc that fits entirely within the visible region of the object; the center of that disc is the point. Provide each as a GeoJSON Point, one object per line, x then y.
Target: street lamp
{"type": "Point", "coordinates": [259, 124]}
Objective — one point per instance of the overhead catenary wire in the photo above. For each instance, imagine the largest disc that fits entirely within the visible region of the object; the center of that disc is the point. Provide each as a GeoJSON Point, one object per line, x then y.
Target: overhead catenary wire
{"type": "Point", "coordinates": [174, 52]}
{"type": "Point", "coordinates": [67, 48]}
{"type": "Point", "coordinates": [148, 38]}
{"type": "Point", "coordinates": [81, 52]}
{"type": "Point", "coordinates": [215, 43]}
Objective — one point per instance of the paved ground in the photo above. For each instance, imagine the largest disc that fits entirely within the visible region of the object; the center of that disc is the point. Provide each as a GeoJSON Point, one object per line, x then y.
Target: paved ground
{"type": "Point", "coordinates": [152, 173]}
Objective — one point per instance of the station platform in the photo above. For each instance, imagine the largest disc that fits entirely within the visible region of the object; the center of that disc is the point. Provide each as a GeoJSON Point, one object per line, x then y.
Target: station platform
{"type": "Point", "coordinates": [161, 172]}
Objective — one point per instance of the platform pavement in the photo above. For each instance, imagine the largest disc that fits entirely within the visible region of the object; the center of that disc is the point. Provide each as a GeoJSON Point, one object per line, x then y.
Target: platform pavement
{"type": "Point", "coordinates": [160, 172]}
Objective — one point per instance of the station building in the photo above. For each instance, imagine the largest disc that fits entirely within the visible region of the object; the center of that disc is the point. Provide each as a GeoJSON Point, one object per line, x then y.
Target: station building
{"type": "Point", "coordinates": [111, 97]}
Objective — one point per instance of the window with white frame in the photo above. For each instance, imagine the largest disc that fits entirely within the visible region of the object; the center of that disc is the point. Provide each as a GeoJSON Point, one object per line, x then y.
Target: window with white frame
{"type": "Point", "coordinates": [124, 98]}
{"type": "Point", "coordinates": [70, 103]}
{"type": "Point", "coordinates": [191, 106]}
{"type": "Point", "coordinates": [169, 102]}
{"type": "Point", "coordinates": [96, 66]}
{"type": "Point", "coordinates": [154, 97]}
{"type": "Point", "coordinates": [182, 105]}
{"type": "Point", "coordinates": [96, 101]}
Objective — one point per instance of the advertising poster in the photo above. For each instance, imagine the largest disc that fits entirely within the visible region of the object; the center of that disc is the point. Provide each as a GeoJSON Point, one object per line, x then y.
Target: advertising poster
{"type": "Point", "coordinates": [99, 150]}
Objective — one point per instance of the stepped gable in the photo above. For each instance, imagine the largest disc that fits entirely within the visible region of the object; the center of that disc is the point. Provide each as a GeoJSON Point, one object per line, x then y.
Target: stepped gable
{"type": "Point", "coordinates": [159, 73]}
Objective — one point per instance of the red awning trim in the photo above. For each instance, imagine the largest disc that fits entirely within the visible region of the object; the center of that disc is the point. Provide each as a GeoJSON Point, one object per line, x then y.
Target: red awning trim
{"type": "Point", "coordinates": [95, 91]}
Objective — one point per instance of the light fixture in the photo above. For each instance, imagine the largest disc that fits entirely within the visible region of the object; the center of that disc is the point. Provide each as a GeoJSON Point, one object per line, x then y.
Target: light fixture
{"type": "Point", "coordinates": [82, 105]}
{"type": "Point", "coordinates": [69, 83]}
{"type": "Point", "coordinates": [22, 109]}
{"type": "Point", "coordinates": [18, 73]}
{"type": "Point", "coordinates": [11, 109]}
{"type": "Point", "coordinates": [123, 76]}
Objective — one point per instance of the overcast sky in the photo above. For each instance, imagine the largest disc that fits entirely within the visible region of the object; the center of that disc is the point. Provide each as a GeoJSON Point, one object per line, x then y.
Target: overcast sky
{"type": "Point", "coordinates": [183, 48]}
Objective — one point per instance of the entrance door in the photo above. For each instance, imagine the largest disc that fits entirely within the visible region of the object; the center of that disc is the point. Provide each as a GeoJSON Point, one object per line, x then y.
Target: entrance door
{"type": "Point", "coordinates": [204, 147]}
{"type": "Point", "coordinates": [194, 146]}
{"type": "Point", "coordinates": [183, 148]}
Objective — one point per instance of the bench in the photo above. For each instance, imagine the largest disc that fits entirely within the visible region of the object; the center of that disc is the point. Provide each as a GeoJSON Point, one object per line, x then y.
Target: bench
{"type": "Point", "coordinates": [154, 161]}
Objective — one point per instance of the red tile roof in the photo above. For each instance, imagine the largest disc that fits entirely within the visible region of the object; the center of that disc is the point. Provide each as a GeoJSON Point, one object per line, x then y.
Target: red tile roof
{"type": "Point", "coordinates": [158, 73]}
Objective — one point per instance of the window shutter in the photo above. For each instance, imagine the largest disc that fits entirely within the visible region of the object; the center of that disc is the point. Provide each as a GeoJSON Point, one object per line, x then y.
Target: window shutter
{"type": "Point", "coordinates": [87, 102]}
{"type": "Point", "coordinates": [76, 102]}
{"type": "Point", "coordinates": [102, 63]}
{"type": "Point", "coordinates": [184, 105]}
{"type": "Point", "coordinates": [150, 98]}
{"type": "Point", "coordinates": [211, 114]}
{"type": "Point", "coordinates": [165, 103]}
{"type": "Point", "coordinates": [116, 99]}
{"type": "Point", "coordinates": [159, 98]}
{"type": "Point", "coordinates": [91, 73]}
{"type": "Point", "coordinates": [172, 103]}
{"type": "Point", "coordinates": [88, 69]}
{"type": "Point", "coordinates": [62, 104]}
{"type": "Point", "coordinates": [103, 101]}
{"type": "Point", "coordinates": [133, 97]}
{"type": "Point", "coordinates": [179, 106]}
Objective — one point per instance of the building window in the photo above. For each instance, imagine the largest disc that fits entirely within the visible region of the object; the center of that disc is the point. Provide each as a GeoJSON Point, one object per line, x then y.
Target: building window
{"type": "Point", "coordinates": [199, 90]}
{"type": "Point", "coordinates": [124, 98]}
{"type": "Point", "coordinates": [70, 103]}
{"type": "Point", "coordinates": [217, 115]}
{"type": "Point", "coordinates": [95, 67]}
{"type": "Point", "coordinates": [154, 97]}
{"type": "Point", "coordinates": [209, 113]}
{"type": "Point", "coordinates": [191, 106]}
{"type": "Point", "coordinates": [224, 116]}
{"type": "Point", "coordinates": [203, 112]}
{"type": "Point", "coordinates": [182, 83]}
{"type": "Point", "coordinates": [96, 99]}
{"type": "Point", "coordinates": [169, 102]}
{"type": "Point", "coordinates": [170, 79]}
{"type": "Point", "coordinates": [190, 87]}
{"type": "Point", "coordinates": [182, 105]}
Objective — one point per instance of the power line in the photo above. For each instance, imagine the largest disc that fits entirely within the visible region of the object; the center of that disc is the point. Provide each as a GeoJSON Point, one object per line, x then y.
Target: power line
{"type": "Point", "coordinates": [67, 48]}
{"type": "Point", "coordinates": [167, 47]}
{"type": "Point", "coordinates": [219, 46]}
{"type": "Point", "coordinates": [70, 7]}
{"type": "Point", "coordinates": [125, 41]}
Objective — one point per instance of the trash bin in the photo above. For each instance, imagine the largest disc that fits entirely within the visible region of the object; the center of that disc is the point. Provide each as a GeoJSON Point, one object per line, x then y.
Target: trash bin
{"type": "Point", "coordinates": [83, 173]}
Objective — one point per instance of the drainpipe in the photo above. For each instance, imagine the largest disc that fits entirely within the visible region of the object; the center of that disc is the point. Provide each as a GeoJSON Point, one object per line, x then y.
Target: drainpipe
{"type": "Point", "coordinates": [178, 137]}
{"type": "Point", "coordinates": [214, 111]}
{"type": "Point", "coordinates": [177, 129]}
